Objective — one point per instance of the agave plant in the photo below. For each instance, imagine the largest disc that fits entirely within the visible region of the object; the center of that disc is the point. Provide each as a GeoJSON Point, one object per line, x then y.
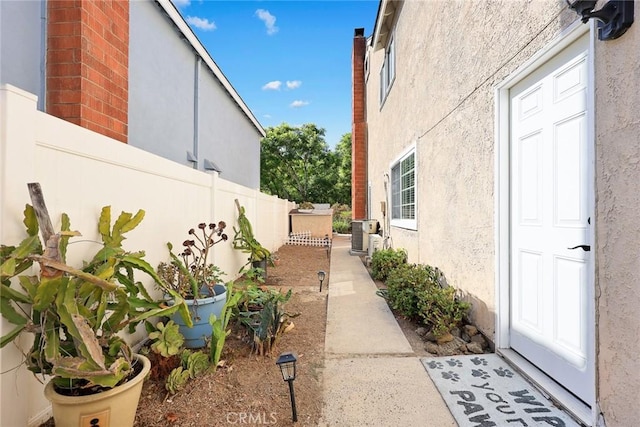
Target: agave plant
{"type": "Point", "coordinates": [76, 314]}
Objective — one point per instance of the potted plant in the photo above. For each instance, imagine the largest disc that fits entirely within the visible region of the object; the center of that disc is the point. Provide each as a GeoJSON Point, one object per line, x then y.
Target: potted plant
{"type": "Point", "coordinates": [197, 281]}
{"type": "Point", "coordinates": [245, 241]}
{"type": "Point", "coordinates": [78, 315]}
{"type": "Point", "coordinates": [306, 207]}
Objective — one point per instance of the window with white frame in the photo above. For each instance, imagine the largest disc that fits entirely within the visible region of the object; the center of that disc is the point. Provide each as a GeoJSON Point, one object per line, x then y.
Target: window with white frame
{"type": "Point", "coordinates": [403, 191]}
{"type": "Point", "coordinates": [388, 71]}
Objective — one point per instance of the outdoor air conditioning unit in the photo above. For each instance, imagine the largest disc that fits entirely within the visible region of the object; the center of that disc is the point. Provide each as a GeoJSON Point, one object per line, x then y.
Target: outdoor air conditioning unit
{"type": "Point", "coordinates": [375, 243]}
{"type": "Point", "coordinates": [371, 226]}
{"type": "Point", "coordinates": [360, 232]}
{"type": "Point", "coordinates": [356, 236]}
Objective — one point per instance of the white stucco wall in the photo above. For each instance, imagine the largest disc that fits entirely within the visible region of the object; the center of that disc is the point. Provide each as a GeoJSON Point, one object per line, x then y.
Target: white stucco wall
{"type": "Point", "coordinates": [617, 79]}
{"type": "Point", "coordinates": [449, 57]}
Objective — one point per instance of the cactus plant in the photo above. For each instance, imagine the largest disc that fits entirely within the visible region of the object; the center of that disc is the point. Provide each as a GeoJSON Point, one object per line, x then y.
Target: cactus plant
{"type": "Point", "coordinates": [245, 240]}
{"type": "Point", "coordinates": [76, 314]}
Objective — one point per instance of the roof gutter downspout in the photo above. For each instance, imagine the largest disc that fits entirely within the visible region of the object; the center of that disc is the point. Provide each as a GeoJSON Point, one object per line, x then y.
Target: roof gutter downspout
{"type": "Point", "coordinates": [43, 56]}
{"type": "Point", "coordinates": [196, 110]}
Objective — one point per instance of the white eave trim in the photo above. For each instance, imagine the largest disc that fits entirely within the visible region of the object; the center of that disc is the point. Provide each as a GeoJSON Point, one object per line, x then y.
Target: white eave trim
{"type": "Point", "coordinates": [384, 23]}
{"type": "Point", "coordinates": [189, 35]}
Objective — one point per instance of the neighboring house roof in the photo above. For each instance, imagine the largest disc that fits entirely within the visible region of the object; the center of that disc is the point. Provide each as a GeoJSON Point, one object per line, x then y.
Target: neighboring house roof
{"type": "Point", "coordinates": [190, 37]}
{"type": "Point", "coordinates": [387, 11]}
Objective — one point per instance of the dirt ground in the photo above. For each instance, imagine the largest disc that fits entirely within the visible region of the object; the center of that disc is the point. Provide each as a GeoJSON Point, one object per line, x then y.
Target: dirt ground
{"type": "Point", "coordinates": [249, 389]}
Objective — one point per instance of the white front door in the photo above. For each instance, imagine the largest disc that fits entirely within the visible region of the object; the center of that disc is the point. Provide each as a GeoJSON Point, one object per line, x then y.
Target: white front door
{"type": "Point", "coordinates": [551, 323]}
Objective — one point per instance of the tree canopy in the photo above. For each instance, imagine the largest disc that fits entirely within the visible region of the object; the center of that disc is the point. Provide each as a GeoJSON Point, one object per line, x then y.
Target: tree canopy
{"type": "Point", "coordinates": [297, 164]}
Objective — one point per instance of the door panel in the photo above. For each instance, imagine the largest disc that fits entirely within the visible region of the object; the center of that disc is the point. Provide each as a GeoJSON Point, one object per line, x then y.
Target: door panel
{"type": "Point", "coordinates": [551, 317]}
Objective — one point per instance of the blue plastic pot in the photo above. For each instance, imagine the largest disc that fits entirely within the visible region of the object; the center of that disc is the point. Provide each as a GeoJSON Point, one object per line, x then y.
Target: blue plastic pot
{"type": "Point", "coordinates": [200, 310]}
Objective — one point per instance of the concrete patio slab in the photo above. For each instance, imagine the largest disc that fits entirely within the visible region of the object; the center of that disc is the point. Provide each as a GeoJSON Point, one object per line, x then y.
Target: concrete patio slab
{"type": "Point", "coordinates": [371, 375]}
{"type": "Point", "coordinates": [381, 391]}
{"type": "Point", "coordinates": [358, 320]}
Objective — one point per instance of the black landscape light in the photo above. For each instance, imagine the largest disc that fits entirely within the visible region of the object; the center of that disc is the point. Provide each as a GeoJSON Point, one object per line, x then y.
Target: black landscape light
{"type": "Point", "coordinates": [287, 363]}
{"type": "Point", "coordinates": [327, 244]}
{"type": "Point", "coordinates": [321, 276]}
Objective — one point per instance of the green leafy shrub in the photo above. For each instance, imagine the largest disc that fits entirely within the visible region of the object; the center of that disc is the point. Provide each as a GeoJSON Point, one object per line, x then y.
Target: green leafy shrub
{"type": "Point", "coordinates": [441, 309]}
{"type": "Point", "coordinates": [386, 260]}
{"type": "Point", "coordinates": [341, 226]}
{"type": "Point", "coordinates": [341, 212]}
{"type": "Point", "coordinates": [406, 284]}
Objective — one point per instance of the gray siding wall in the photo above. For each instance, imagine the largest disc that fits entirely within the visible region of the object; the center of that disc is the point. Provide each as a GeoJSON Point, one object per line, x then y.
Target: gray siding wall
{"type": "Point", "coordinates": [163, 71]}
{"type": "Point", "coordinates": [162, 90]}
{"type": "Point", "coordinates": [226, 137]}
{"type": "Point", "coordinates": [21, 46]}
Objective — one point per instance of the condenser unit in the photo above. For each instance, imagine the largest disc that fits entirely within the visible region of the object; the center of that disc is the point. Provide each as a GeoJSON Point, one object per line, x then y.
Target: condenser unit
{"type": "Point", "coordinates": [371, 226]}
{"type": "Point", "coordinates": [356, 236]}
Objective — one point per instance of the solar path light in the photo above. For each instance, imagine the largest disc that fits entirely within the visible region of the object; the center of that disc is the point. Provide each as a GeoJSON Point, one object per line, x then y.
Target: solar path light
{"type": "Point", "coordinates": [287, 363]}
{"type": "Point", "coordinates": [321, 276]}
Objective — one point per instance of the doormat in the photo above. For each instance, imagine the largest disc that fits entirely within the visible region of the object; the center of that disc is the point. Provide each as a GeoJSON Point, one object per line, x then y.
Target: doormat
{"type": "Point", "coordinates": [482, 390]}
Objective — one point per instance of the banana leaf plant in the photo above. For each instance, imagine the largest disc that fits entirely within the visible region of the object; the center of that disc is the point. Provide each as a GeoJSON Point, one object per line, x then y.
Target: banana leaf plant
{"type": "Point", "coordinates": [78, 316]}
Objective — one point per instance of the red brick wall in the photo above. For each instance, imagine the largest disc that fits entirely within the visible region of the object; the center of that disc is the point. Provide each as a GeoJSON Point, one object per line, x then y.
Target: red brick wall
{"type": "Point", "coordinates": [88, 64]}
{"type": "Point", "coordinates": [359, 129]}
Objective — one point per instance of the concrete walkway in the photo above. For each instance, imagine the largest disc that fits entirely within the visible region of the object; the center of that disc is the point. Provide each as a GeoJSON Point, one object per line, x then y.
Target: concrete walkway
{"type": "Point", "coordinates": [371, 375]}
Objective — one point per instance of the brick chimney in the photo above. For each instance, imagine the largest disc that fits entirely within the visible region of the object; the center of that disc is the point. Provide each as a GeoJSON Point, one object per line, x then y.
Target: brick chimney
{"type": "Point", "coordinates": [359, 129]}
{"type": "Point", "coordinates": [88, 64]}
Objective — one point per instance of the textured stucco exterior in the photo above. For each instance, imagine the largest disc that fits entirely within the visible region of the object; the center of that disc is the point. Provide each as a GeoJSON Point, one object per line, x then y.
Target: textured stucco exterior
{"type": "Point", "coordinates": [319, 224]}
{"type": "Point", "coordinates": [442, 100]}
{"type": "Point", "coordinates": [449, 59]}
{"type": "Point", "coordinates": [617, 128]}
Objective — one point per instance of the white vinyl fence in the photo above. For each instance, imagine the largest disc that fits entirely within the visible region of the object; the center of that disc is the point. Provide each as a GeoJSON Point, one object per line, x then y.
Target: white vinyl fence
{"type": "Point", "coordinates": [80, 172]}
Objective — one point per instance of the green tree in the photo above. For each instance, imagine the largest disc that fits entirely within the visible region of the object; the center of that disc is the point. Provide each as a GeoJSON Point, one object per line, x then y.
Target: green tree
{"type": "Point", "coordinates": [343, 183]}
{"type": "Point", "coordinates": [296, 164]}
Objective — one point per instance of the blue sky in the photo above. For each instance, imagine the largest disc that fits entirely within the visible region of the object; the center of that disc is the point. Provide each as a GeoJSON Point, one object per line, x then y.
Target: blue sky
{"type": "Point", "coordinates": [289, 60]}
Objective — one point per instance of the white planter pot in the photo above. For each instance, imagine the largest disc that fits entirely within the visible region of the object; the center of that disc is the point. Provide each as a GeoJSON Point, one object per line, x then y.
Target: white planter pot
{"type": "Point", "coordinates": [113, 408]}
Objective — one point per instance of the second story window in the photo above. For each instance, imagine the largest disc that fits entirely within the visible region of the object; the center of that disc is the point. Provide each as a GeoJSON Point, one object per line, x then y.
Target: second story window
{"type": "Point", "coordinates": [388, 71]}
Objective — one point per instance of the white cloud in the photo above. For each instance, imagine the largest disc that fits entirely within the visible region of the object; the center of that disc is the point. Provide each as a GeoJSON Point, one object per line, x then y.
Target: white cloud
{"type": "Point", "coordinates": [269, 21]}
{"type": "Point", "coordinates": [201, 23]}
{"type": "Point", "coordinates": [267, 116]}
{"type": "Point", "coordinates": [181, 3]}
{"type": "Point", "coordinates": [274, 85]}
{"type": "Point", "coordinates": [293, 84]}
{"type": "Point", "coordinates": [298, 104]}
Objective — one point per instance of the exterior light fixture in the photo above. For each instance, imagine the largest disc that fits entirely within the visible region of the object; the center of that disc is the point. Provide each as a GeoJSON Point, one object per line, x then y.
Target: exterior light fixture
{"type": "Point", "coordinates": [321, 276]}
{"type": "Point", "coordinates": [615, 17]}
{"type": "Point", "coordinates": [287, 364]}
